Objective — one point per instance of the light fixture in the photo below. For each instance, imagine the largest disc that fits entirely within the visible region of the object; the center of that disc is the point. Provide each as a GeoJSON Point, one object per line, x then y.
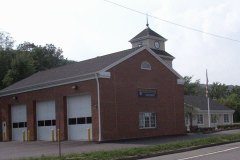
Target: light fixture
{"type": "Point", "coordinates": [15, 97]}
{"type": "Point", "coordinates": [75, 87]}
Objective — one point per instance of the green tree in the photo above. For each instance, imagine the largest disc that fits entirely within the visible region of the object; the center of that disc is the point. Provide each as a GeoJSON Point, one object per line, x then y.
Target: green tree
{"type": "Point", "coordinates": [233, 101]}
{"type": "Point", "coordinates": [26, 47]}
{"type": "Point", "coordinates": [48, 56]}
{"type": "Point", "coordinates": [192, 88]}
{"type": "Point", "coordinates": [218, 90]}
{"type": "Point", "coordinates": [236, 90]}
{"type": "Point", "coordinates": [5, 63]}
{"type": "Point", "coordinates": [27, 58]}
{"type": "Point", "coordinates": [21, 66]}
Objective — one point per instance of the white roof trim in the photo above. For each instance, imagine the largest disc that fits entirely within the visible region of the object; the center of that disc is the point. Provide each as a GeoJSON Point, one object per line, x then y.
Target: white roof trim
{"type": "Point", "coordinates": [167, 57]}
{"type": "Point", "coordinates": [180, 81]}
{"type": "Point", "coordinates": [164, 63]}
{"type": "Point", "coordinates": [122, 59]}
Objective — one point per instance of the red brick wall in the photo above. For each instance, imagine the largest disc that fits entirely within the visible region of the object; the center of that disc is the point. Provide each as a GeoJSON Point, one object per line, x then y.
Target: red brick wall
{"type": "Point", "coordinates": [58, 94]}
{"type": "Point", "coordinates": [121, 105]}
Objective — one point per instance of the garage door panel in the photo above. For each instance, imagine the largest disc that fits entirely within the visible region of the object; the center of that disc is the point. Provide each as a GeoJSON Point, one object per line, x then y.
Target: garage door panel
{"type": "Point", "coordinates": [45, 110]}
{"type": "Point", "coordinates": [17, 133]}
{"type": "Point", "coordinates": [19, 122]}
{"type": "Point", "coordinates": [45, 133]}
{"type": "Point", "coordinates": [46, 120]}
{"type": "Point", "coordinates": [79, 106]}
{"type": "Point", "coordinates": [79, 116]}
{"type": "Point", "coordinates": [74, 134]}
{"type": "Point", "coordinates": [19, 113]}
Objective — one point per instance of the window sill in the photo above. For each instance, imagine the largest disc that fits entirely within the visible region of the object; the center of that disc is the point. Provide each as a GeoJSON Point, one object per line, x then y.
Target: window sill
{"type": "Point", "coordinates": [148, 128]}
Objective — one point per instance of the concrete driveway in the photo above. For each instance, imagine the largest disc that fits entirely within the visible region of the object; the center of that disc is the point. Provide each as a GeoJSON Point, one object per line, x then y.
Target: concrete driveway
{"type": "Point", "coordinates": [16, 150]}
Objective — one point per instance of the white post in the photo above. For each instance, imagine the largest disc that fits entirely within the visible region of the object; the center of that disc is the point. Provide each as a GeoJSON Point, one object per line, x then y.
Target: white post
{"type": "Point", "coordinates": [209, 117]}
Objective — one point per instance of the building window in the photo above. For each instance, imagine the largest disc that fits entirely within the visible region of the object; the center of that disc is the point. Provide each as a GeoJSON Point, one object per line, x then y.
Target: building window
{"type": "Point", "coordinates": [226, 118]}
{"type": "Point", "coordinates": [146, 65]}
{"type": "Point", "coordinates": [199, 119]}
{"type": "Point", "coordinates": [213, 118]}
{"type": "Point", "coordinates": [147, 120]}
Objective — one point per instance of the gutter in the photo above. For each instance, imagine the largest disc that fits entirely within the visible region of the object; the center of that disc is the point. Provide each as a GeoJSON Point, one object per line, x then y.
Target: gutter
{"type": "Point", "coordinates": [99, 109]}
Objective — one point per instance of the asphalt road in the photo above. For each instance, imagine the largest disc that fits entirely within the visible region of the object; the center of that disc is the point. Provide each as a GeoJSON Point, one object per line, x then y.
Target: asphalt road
{"type": "Point", "coordinates": [16, 150]}
{"type": "Point", "coordinates": [222, 152]}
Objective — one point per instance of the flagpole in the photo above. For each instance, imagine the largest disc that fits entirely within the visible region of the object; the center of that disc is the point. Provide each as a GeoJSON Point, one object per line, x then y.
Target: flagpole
{"type": "Point", "coordinates": [209, 117]}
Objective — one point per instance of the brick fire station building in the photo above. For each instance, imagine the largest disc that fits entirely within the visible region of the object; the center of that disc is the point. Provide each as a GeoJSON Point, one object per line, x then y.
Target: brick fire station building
{"type": "Point", "coordinates": [132, 93]}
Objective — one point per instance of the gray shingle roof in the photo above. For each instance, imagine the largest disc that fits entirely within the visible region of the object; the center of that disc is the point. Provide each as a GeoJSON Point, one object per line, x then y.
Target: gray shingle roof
{"type": "Point", "coordinates": [71, 70]}
{"type": "Point", "coordinates": [162, 53]}
{"type": "Point", "coordinates": [147, 32]}
{"type": "Point", "coordinates": [201, 103]}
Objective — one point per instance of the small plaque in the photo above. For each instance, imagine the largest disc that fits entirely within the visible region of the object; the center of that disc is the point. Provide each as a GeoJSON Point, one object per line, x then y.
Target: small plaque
{"type": "Point", "coordinates": [147, 92]}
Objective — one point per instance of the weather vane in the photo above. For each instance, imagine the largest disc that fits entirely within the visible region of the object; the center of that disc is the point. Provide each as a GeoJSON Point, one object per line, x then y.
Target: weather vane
{"type": "Point", "coordinates": [147, 20]}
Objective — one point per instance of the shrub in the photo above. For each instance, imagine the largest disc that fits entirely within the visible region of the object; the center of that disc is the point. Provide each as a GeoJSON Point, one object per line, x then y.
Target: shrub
{"type": "Point", "coordinates": [229, 126]}
{"type": "Point", "coordinates": [206, 129]}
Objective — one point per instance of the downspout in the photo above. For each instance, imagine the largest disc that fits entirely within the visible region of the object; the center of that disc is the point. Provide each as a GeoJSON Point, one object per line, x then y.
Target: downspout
{"type": "Point", "coordinates": [99, 110]}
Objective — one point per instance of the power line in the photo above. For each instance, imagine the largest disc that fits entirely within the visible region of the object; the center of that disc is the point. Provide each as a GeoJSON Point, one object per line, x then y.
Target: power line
{"type": "Point", "coordinates": [173, 23]}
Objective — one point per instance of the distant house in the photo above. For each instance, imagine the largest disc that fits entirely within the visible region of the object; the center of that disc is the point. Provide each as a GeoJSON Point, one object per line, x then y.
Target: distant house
{"type": "Point", "coordinates": [220, 114]}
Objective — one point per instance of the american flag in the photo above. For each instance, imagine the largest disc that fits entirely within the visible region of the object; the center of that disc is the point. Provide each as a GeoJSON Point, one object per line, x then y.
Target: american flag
{"type": "Point", "coordinates": [206, 84]}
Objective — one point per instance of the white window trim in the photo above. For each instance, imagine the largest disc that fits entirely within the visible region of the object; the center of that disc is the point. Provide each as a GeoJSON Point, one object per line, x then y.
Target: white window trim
{"type": "Point", "coordinates": [202, 119]}
{"type": "Point", "coordinates": [215, 117]}
{"type": "Point", "coordinates": [224, 119]}
{"type": "Point", "coordinates": [144, 127]}
{"type": "Point", "coordinates": [146, 63]}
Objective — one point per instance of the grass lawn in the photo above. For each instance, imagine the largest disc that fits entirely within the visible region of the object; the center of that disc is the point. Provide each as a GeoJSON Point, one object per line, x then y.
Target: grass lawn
{"type": "Point", "coordinates": [143, 151]}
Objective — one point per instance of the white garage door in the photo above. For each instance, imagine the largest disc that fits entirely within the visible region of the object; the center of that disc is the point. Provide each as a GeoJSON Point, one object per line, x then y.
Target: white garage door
{"type": "Point", "coordinates": [46, 120]}
{"type": "Point", "coordinates": [79, 115]}
{"type": "Point", "coordinates": [19, 122]}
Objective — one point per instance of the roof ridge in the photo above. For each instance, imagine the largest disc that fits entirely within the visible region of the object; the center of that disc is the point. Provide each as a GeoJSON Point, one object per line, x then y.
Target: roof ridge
{"type": "Point", "coordinates": [147, 32]}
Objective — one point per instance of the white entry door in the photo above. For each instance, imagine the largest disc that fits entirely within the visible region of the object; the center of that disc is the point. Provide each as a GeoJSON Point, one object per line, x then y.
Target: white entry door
{"type": "Point", "coordinates": [46, 120]}
{"type": "Point", "coordinates": [79, 117]}
{"type": "Point", "coordinates": [19, 122]}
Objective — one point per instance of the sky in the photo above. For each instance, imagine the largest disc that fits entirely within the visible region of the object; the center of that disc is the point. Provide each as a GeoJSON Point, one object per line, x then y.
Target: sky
{"type": "Point", "coordinates": [89, 28]}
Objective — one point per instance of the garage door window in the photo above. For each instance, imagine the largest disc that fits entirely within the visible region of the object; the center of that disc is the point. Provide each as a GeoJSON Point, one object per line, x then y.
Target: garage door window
{"type": "Point", "coordinates": [89, 119]}
{"type": "Point", "coordinates": [19, 125]}
{"type": "Point", "coordinates": [80, 120]}
{"type": "Point", "coordinates": [72, 121]}
{"type": "Point", "coordinates": [46, 123]}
